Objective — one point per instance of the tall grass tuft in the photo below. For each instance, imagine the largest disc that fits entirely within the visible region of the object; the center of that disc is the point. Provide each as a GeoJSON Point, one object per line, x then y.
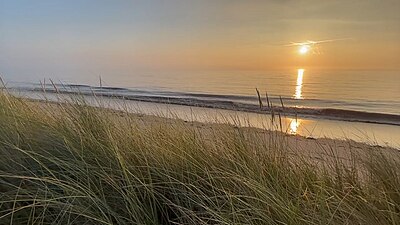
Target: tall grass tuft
{"type": "Point", "coordinates": [69, 163]}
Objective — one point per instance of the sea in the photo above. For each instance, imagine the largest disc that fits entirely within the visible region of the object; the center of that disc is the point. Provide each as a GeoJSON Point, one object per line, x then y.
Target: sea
{"type": "Point", "coordinates": [361, 105]}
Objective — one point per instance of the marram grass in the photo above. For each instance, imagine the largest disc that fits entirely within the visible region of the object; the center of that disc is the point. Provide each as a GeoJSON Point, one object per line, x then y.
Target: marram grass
{"type": "Point", "coordinates": [75, 164]}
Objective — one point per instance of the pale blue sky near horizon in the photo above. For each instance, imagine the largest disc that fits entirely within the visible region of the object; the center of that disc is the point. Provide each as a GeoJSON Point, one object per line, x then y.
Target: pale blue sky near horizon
{"type": "Point", "coordinates": [61, 38]}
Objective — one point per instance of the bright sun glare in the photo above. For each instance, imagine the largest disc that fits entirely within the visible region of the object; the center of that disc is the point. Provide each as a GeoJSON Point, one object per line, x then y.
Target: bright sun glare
{"type": "Point", "coordinates": [304, 49]}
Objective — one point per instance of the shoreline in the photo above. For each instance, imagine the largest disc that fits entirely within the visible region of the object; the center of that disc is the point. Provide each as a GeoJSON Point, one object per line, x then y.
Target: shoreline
{"type": "Point", "coordinates": [214, 101]}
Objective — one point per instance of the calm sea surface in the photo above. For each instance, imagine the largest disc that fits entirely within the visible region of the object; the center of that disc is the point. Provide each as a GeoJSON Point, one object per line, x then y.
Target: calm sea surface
{"type": "Point", "coordinates": [369, 91]}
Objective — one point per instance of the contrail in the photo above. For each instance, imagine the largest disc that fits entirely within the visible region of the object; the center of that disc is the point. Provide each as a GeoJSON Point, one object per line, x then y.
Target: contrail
{"type": "Point", "coordinates": [310, 42]}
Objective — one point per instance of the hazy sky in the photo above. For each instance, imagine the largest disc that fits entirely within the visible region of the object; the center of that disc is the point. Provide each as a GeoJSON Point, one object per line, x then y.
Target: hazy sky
{"type": "Point", "coordinates": [108, 36]}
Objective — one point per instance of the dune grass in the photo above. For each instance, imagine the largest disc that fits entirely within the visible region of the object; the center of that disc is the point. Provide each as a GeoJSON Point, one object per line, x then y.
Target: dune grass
{"type": "Point", "coordinates": [75, 164]}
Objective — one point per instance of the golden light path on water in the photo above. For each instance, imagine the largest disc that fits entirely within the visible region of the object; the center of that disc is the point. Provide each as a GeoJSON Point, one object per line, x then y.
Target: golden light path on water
{"type": "Point", "coordinates": [299, 85]}
{"type": "Point", "coordinates": [295, 123]}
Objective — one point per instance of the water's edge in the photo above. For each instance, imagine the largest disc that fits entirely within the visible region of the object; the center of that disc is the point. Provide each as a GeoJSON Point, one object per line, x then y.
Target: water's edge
{"type": "Point", "coordinates": [228, 102]}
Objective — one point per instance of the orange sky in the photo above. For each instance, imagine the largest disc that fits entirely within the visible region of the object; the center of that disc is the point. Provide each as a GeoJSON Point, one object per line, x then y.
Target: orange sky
{"type": "Point", "coordinates": [107, 36]}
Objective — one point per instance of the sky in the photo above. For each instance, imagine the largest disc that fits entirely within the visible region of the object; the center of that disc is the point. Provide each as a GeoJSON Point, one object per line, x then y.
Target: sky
{"type": "Point", "coordinates": [103, 36]}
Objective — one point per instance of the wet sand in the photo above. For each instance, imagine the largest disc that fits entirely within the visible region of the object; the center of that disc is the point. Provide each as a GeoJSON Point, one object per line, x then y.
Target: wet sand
{"type": "Point", "coordinates": [317, 149]}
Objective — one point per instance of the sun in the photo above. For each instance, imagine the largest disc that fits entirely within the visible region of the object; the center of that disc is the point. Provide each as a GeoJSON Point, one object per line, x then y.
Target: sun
{"type": "Point", "coordinates": [304, 49]}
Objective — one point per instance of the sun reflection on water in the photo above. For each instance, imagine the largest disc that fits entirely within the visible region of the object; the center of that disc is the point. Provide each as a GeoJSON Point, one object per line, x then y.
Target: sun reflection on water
{"type": "Point", "coordinates": [299, 84]}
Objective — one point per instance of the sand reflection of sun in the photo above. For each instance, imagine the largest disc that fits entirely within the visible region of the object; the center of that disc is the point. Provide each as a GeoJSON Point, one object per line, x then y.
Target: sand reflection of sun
{"type": "Point", "coordinates": [294, 125]}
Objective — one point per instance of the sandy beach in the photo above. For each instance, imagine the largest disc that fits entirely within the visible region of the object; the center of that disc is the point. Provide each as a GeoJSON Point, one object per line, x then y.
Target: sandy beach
{"type": "Point", "coordinates": [316, 149]}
